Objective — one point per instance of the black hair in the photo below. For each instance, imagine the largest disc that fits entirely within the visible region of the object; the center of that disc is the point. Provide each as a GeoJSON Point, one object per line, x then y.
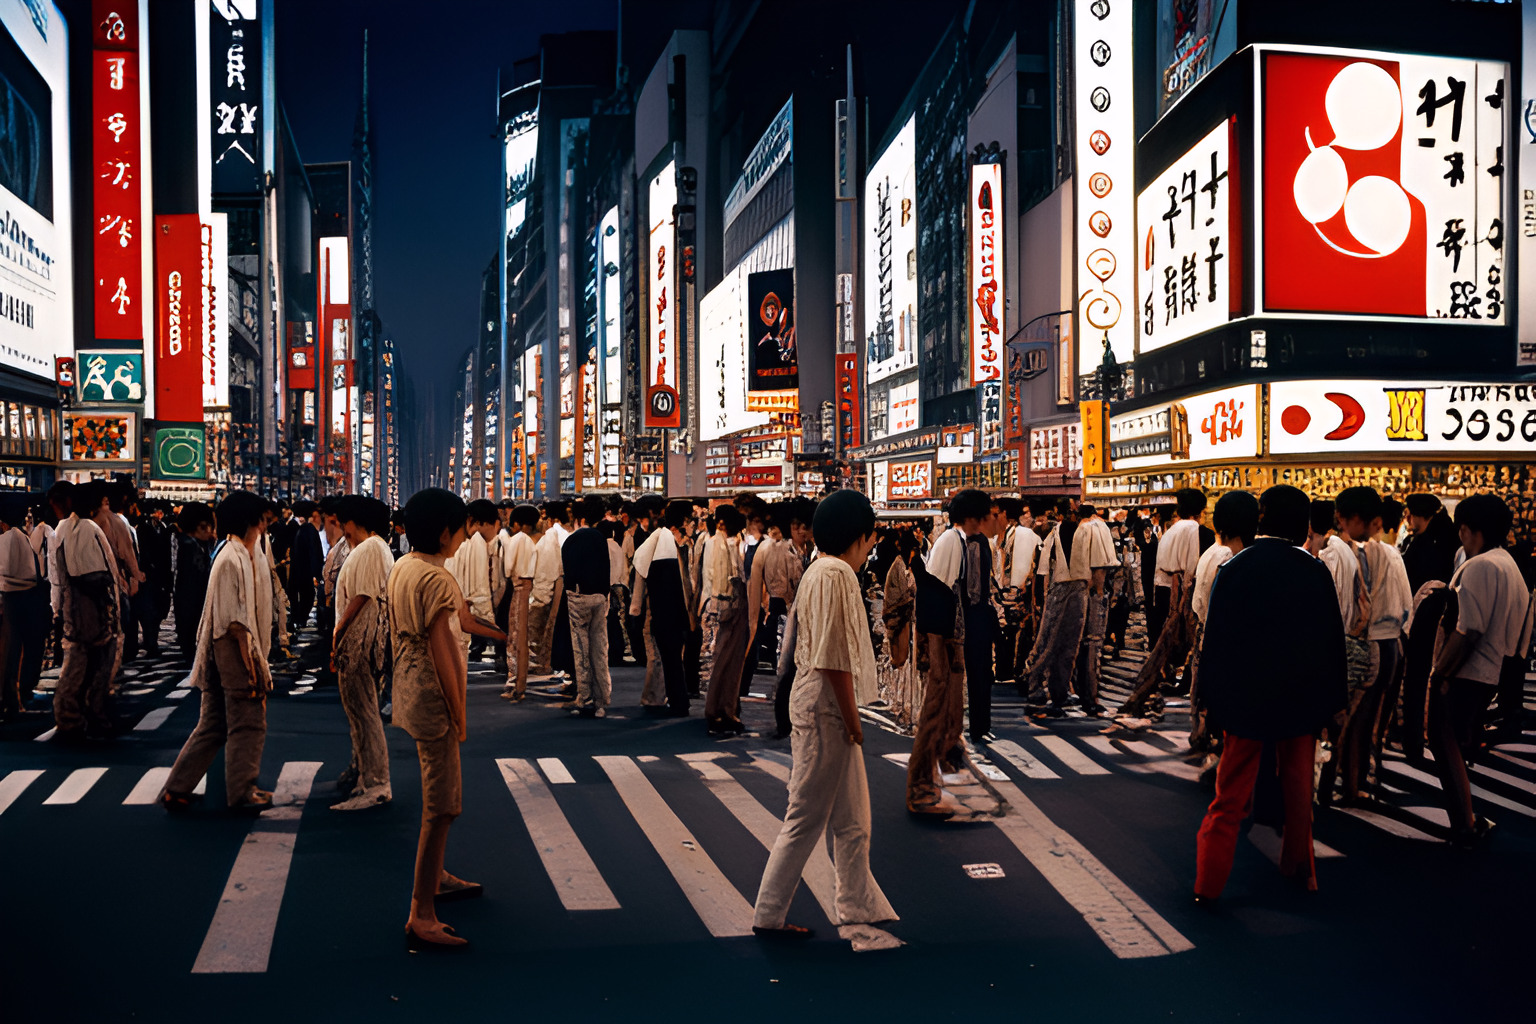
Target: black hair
{"type": "Point", "coordinates": [481, 510]}
{"type": "Point", "coordinates": [1012, 508]}
{"type": "Point", "coordinates": [1283, 512]}
{"type": "Point", "coordinates": [428, 514]}
{"type": "Point", "coordinates": [967, 504]}
{"type": "Point", "coordinates": [89, 496]}
{"type": "Point", "coordinates": [733, 521]}
{"type": "Point", "coordinates": [62, 494]}
{"type": "Point", "coordinates": [844, 518]}
{"type": "Point", "coordinates": [194, 514]}
{"type": "Point", "coordinates": [1391, 513]}
{"type": "Point", "coordinates": [239, 511]}
{"type": "Point", "coordinates": [591, 509]}
{"type": "Point", "coordinates": [328, 506]}
{"type": "Point", "coordinates": [1358, 501]}
{"type": "Point", "coordinates": [612, 529]}
{"type": "Point", "coordinates": [304, 509]}
{"type": "Point", "coordinates": [525, 515]}
{"type": "Point", "coordinates": [1064, 506]}
{"type": "Point", "coordinates": [1423, 505]}
{"type": "Point", "coordinates": [1488, 515]}
{"type": "Point", "coordinates": [800, 510]}
{"type": "Point", "coordinates": [1237, 515]}
{"type": "Point", "coordinates": [1086, 511]}
{"type": "Point", "coordinates": [1320, 516]}
{"type": "Point", "coordinates": [678, 513]}
{"type": "Point", "coordinates": [1191, 502]}
{"type": "Point", "coordinates": [368, 512]}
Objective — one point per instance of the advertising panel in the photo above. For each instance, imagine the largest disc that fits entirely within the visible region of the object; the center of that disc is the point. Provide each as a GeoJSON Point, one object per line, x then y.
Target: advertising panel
{"type": "Point", "coordinates": [36, 303]}
{"type": "Point", "coordinates": [521, 150]}
{"type": "Point", "coordinates": [100, 437]}
{"type": "Point", "coordinates": [890, 258]}
{"type": "Point", "coordinates": [180, 453]}
{"type": "Point", "coordinates": [1190, 270]}
{"type": "Point", "coordinates": [215, 280]}
{"type": "Point", "coordinates": [848, 399]}
{"type": "Point", "coordinates": [989, 402]}
{"type": "Point", "coordinates": [723, 399]}
{"type": "Point", "coordinates": [1055, 450]}
{"type": "Point", "coordinates": [988, 292]}
{"type": "Point", "coordinates": [1221, 424]}
{"type": "Point", "coordinates": [909, 481]}
{"type": "Point", "coordinates": [611, 333]}
{"type": "Point", "coordinates": [1190, 43]}
{"type": "Point", "coordinates": [773, 363]}
{"type": "Point", "coordinates": [115, 375]}
{"type": "Point", "coordinates": [1525, 132]}
{"type": "Point", "coordinates": [181, 317]}
{"type": "Point", "coordinates": [904, 407]}
{"type": "Point", "coordinates": [1382, 185]}
{"type": "Point", "coordinates": [116, 125]}
{"type": "Point", "coordinates": [235, 68]}
{"type": "Point", "coordinates": [1403, 420]}
{"type": "Point", "coordinates": [662, 407]}
{"type": "Point", "coordinates": [1105, 177]}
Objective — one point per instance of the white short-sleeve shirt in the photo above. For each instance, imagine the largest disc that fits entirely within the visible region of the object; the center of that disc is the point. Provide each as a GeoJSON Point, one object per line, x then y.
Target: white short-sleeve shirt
{"type": "Point", "coordinates": [365, 573]}
{"type": "Point", "coordinates": [1492, 600]}
{"type": "Point", "coordinates": [1178, 551]}
{"type": "Point", "coordinates": [947, 557]}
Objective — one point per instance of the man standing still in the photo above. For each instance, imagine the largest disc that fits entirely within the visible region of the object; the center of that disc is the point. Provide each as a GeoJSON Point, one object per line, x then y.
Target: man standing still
{"type": "Point", "coordinates": [86, 594]}
{"type": "Point", "coordinates": [24, 626]}
{"type": "Point", "coordinates": [519, 558]}
{"type": "Point", "coordinates": [1259, 685]}
{"type": "Point", "coordinates": [586, 570]}
{"type": "Point", "coordinates": [305, 562]}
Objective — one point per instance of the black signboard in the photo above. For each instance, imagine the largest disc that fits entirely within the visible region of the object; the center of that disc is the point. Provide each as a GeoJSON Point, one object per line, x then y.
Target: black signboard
{"type": "Point", "coordinates": [235, 68]}
{"type": "Point", "coordinates": [773, 362]}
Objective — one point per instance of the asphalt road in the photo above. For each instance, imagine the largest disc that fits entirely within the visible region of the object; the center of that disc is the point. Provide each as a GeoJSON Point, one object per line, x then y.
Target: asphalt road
{"type": "Point", "coordinates": [617, 889]}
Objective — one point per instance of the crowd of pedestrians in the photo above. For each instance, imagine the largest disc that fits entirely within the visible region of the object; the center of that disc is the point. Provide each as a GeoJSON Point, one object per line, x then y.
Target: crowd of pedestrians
{"type": "Point", "coordinates": [1304, 632]}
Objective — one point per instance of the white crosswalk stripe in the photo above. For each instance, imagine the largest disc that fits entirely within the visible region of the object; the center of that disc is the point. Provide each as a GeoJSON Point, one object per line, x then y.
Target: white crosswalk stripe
{"type": "Point", "coordinates": [148, 788]}
{"type": "Point", "coordinates": [75, 786]}
{"type": "Point", "coordinates": [14, 784]}
{"type": "Point", "coordinates": [576, 878]}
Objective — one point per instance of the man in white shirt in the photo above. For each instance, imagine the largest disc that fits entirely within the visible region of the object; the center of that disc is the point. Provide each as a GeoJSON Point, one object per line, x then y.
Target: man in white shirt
{"type": "Point", "coordinates": [518, 561]}
{"type": "Point", "coordinates": [1178, 553]}
{"type": "Point", "coordinates": [1014, 562]}
{"type": "Point", "coordinates": [24, 625]}
{"type": "Point", "coordinates": [1492, 623]}
{"type": "Point", "coordinates": [86, 596]}
{"type": "Point", "coordinates": [471, 569]}
{"type": "Point", "coordinates": [544, 599]}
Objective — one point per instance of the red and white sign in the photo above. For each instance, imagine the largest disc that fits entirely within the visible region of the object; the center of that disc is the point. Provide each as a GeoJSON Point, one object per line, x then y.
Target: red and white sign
{"type": "Point", "coordinates": [759, 476]}
{"type": "Point", "coordinates": [1329, 417]}
{"type": "Point", "coordinates": [182, 318]}
{"type": "Point", "coordinates": [904, 407]}
{"type": "Point", "coordinates": [1221, 424]}
{"type": "Point", "coordinates": [1384, 185]}
{"type": "Point", "coordinates": [909, 481]}
{"type": "Point", "coordinates": [988, 298]}
{"type": "Point", "coordinates": [848, 414]}
{"type": "Point", "coordinates": [117, 176]}
{"type": "Point", "coordinates": [662, 405]}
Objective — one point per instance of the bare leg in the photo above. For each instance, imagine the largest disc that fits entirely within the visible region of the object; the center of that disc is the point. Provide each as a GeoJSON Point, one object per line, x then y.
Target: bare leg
{"type": "Point", "coordinates": [429, 871]}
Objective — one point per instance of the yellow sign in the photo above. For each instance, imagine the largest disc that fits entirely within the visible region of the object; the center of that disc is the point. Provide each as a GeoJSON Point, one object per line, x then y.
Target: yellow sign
{"type": "Point", "coordinates": [1095, 434]}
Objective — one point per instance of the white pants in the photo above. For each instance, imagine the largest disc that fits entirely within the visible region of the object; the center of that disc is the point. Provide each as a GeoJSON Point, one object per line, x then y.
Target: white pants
{"type": "Point", "coordinates": [828, 792]}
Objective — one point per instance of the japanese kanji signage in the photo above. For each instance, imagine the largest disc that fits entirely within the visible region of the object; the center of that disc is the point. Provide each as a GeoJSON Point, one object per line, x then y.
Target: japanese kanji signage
{"type": "Point", "coordinates": [1222, 424]}
{"type": "Point", "coordinates": [115, 375]}
{"type": "Point", "coordinates": [988, 295]}
{"type": "Point", "coordinates": [1384, 187]}
{"type": "Point", "coordinates": [181, 316]}
{"type": "Point", "coordinates": [1187, 261]}
{"type": "Point", "coordinates": [890, 259]}
{"type": "Point", "coordinates": [909, 481]}
{"type": "Point", "coordinates": [848, 398]}
{"type": "Point", "coordinates": [1406, 419]}
{"type": "Point", "coordinates": [1525, 143]}
{"type": "Point", "coordinates": [1105, 180]}
{"type": "Point", "coordinates": [662, 407]}
{"type": "Point", "coordinates": [118, 245]}
{"type": "Point", "coordinates": [235, 87]}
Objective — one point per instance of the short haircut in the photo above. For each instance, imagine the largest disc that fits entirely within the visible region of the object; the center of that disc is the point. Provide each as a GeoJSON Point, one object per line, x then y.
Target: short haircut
{"type": "Point", "coordinates": [428, 514]}
{"type": "Point", "coordinates": [1321, 516]}
{"type": "Point", "coordinates": [1391, 513]}
{"type": "Point", "coordinates": [304, 509]}
{"type": "Point", "coordinates": [328, 506]}
{"type": "Point", "coordinates": [62, 494]}
{"type": "Point", "coordinates": [365, 511]}
{"type": "Point", "coordinates": [678, 513]}
{"type": "Point", "coordinates": [728, 517]}
{"type": "Point", "coordinates": [967, 504]}
{"type": "Point", "coordinates": [1012, 508]}
{"type": "Point", "coordinates": [1086, 511]}
{"type": "Point", "coordinates": [13, 509]}
{"type": "Point", "coordinates": [1064, 506]}
{"type": "Point", "coordinates": [612, 529]}
{"type": "Point", "coordinates": [239, 512]}
{"type": "Point", "coordinates": [525, 515]}
{"type": "Point", "coordinates": [1191, 502]}
{"type": "Point", "coordinates": [194, 514]}
{"type": "Point", "coordinates": [481, 510]}
{"type": "Point", "coordinates": [1358, 501]}
{"type": "Point", "coordinates": [1423, 505]}
{"type": "Point", "coordinates": [1488, 515]}
{"type": "Point", "coordinates": [90, 495]}
{"type": "Point", "coordinates": [1283, 512]}
{"type": "Point", "coordinates": [1237, 515]}
{"type": "Point", "coordinates": [591, 509]}
{"type": "Point", "coordinates": [559, 511]}
{"type": "Point", "coordinates": [844, 518]}
{"type": "Point", "coordinates": [802, 511]}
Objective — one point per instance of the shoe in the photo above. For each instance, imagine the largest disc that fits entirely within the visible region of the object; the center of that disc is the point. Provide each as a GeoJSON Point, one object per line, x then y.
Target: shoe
{"type": "Point", "coordinates": [179, 803]}
{"type": "Point", "coordinates": [259, 800]}
{"type": "Point", "coordinates": [458, 889]}
{"type": "Point", "coordinates": [1095, 710]}
{"type": "Point", "coordinates": [984, 738]}
{"type": "Point", "coordinates": [364, 801]}
{"type": "Point", "coordinates": [671, 712]}
{"type": "Point", "coordinates": [416, 944]}
{"type": "Point", "coordinates": [346, 782]}
{"type": "Point", "coordinates": [1473, 838]}
{"type": "Point", "coordinates": [70, 737]}
{"type": "Point", "coordinates": [790, 932]}
{"type": "Point", "coordinates": [601, 712]}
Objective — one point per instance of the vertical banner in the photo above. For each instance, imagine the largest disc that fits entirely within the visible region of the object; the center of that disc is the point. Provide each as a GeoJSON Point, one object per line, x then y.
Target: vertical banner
{"type": "Point", "coordinates": [180, 319]}
{"type": "Point", "coordinates": [662, 408]}
{"type": "Point", "coordinates": [1105, 181]}
{"type": "Point", "coordinates": [988, 293]}
{"type": "Point", "coordinates": [773, 366]}
{"type": "Point", "coordinates": [216, 335]}
{"type": "Point", "coordinates": [1094, 435]}
{"type": "Point", "coordinates": [848, 416]}
{"type": "Point", "coordinates": [1525, 133]}
{"type": "Point", "coordinates": [116, 171]}
{"type": "Point", "coordinates": [235, 68]}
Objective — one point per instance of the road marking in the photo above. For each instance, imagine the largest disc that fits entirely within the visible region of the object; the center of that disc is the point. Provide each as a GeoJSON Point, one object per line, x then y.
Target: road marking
{"type": "Point", "coordinates": [555, 771]}
{"type": "Point", "coordinates": [1270, 845]}
{"type": "Point", "coordinates": [1387, 824]}
{"type": "Point", "coordinates": [239, 940]}
{"type": "Point", "coordinates": [771, 762]}
{"type": "Point", "coordinates": [147, 791]}
{"type": "Point", "coordinates": [1160, 760]}
{"type": "Point", "coordinates": [76, 786]}
{"type": "Point", "coordinates": [177, 694]}
{"type": "Point", "coordinates": [15, 783]}
{"type": "Point", "coordinates": [1504, 777]}
{"type": "Point", "coordinates": [44, 737]}
{"type": "Point", "coordinates": [1021, 759]}
{"type": "Point", "coordinates": [1125, 923]}
{"type": "Point", "coordinates": [1516, 760]}
{"type": "Point", "coordinates": [155, 719]}
{"type": "Point", "coordinates": [569, 866]}
{"type": "Point", "coordinates": [765, 826]}
{"type": "Point", "coordinates": [1433, 815]}
{"type": "Point", "coordinates": [722, 909]}
{"type": "Point", "coordinates": [202, 786]}
{"type": "Point", "coordinates": [1070, 756]}
{"type": "Point", "coordinates": [1408, 771]}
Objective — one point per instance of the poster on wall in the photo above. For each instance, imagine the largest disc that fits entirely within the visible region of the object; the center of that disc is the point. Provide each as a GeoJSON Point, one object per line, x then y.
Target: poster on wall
{"type": "Point", "coordinates": [989, 298]}
{"type": "Point", "coordinates": [904, 408]}
{"type": "Point", "coordinates": [99, 437]}
{"type": "Point", "coordinates": [181, 317]}
{"type": "Point", "coordinates": [773, 363]}
{"type": "Point", "coordinates": [180, 453]}
{"type": "Point", "coordinates": [235, 87]}
{"type": "Point", "coordinates": [1383, 186]}
{"type": "Point", "coordinates": [111, 376]}
{"type": "Point", "coordinates": [890, 258]}
{"type": "Point", "coordinates": [724, 404]}
{"type": "Point", "coordinates": [1105, 181]}
{"type": "Point", "coordinates": [662, 405]}
{"type": "Point", "coordinates": [36, 299]}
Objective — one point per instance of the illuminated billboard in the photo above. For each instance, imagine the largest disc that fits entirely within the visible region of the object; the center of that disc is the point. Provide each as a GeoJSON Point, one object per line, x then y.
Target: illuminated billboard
{"type": "Point", "coordinates": [723, 360]}
{"type": "Point", "coordinates": [1402, 419]}
{"type": "Point", "coordinates": [610, 332]}
{"type": "Point", "coordinates": [890, 258]}
{"type": "Point", "coordinates": [520, 152]}
{"type": "Point", "coordinates": [987, 284]}
{"type": "Point", "coordinates": [1222, 424]}
{"type": "Point", "coordinates": [662, 407]}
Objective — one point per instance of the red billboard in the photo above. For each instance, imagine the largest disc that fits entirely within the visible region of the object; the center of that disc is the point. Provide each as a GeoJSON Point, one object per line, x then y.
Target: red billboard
{"type": "Point", "coordinates": [180, 317]}
{"type": "Point", "coordinates": [116, 172]}
{"type": "Point", "coordinates": [848, 414]}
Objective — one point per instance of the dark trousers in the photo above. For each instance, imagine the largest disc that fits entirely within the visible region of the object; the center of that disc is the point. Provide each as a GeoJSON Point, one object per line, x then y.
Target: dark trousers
{"type": "Point", "coordinates": [23, 634]}
{"type": "Point", "coordinates": [325, 623]}
{"type": "Point", "coordinates": [1236, 775]}
{"type": "Point", "coordinates": [636, 627]}
{"type": "Point", "coordinates": [503, 613]}
{"type": "Point", "coordinates": [980, 627]}
{"type": "Point", "coordinates": [1454, 721]}
{"type": "Point", "coordinates": [1418, 659]}
{"type": "Point", "coordinates": [143, 619]}
{"type": "Point", "coordinates": [693, 654]}
{"type": "Point", "coordinates": [670, 629]}
{"type": "Point", "coordinates": [302, 601]}
{"type": "Point", "coordinates": [1360, 732]}
{"type": "Point", "coordinates": [1511, 697]}
{"type": "Point", "coordinates": [616, 602]}
{"type": "Point", "coordinates": [1157, 614]}
{"type": "Point", "coordinates": [765, 646]}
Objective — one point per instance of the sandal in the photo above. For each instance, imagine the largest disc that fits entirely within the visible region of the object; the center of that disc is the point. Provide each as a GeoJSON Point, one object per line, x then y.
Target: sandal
{"type": "Point", "coordinates": [259, 800]}
{"type": "Point", "coordinates": [178, 803]}
{"type": "Point", "coordinates": [418, 944]}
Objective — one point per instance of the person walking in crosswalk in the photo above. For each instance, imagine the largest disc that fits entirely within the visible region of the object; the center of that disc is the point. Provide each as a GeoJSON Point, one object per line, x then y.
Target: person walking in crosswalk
{"type": "Point", "coordinates": [361, 647]}
{"type": "Point", "coordinates": [86, 590]}
{"type": "Point", "coordinates": [231, 668]}
{"type": "Point", "coordinates": [828, 788]}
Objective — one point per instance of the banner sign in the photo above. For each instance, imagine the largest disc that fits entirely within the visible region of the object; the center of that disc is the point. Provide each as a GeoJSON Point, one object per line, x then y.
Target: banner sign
{"type": "Point", "coordinates": [662, 406]}
{"type": "Point", "coordinates": [116, 123]}
{"type": "Point", "coordinates": [1411, 420]}
{"type": "Point", "coordinates": [215, 279]}
{"type": "Point", "coordinates": [848, 399]}
{"type": "Point", "coordinates": [181, 316]}
{"type": "Point", "coordinates": [1222, 424]}
{"type": "Point", "coordinates": [988, 293]}
{"type": "Point", "coordinates": [180, 453]}
{"type": "Point", "coordinates": [772, 360]}
{"type": "Point", "coordinates": [235, 87]}
{"type": "Point", "coordinates": [115, 375]}
{"type": "Point", "coordinates": [1525, 139]}
{"type": "Point", "coordinates": [890, 258]}
{"type": "Point", "coordinates": [909, 481]}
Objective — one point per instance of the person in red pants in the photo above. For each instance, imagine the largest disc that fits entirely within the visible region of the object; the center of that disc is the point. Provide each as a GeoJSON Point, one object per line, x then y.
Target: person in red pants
{"type": "Point", "coordinates": [1272, 670]}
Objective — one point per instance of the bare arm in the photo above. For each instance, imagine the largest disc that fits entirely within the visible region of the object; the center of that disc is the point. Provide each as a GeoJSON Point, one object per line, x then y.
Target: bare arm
{"type": "Point", "coordinates": [354, 607]}
{"type": "Point", "coordinates": [842, 689]}
{"type": "Point", "coordinates": [1454, 653]}
{"type": "Point", "coordinates": [451, 672]}
{"type": "Point", "coordinates": [469, 624]}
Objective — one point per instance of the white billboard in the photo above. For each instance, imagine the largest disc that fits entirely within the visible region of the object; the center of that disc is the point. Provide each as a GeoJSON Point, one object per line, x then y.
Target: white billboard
{"type": "Point", "coordinates": [890, 258]}
{"type": "Point", "coordinates": [1221, 424]}
{"type": "Point", "coordinates": [1401, 419]}
{"type": "Point", "coordinates": [36, 293]}
{"type": "Point", "coordinates": [520, 152]}
{"type": "Point", "coordinates": [217, 298]}
{"type": "Point", "coordinates": [904, 408]}
{"type": "Point", "coordinates": [1105, 180]}
{"type": "Point", "coordinates": [661, 398]}
{"type": "Point", "coordinates": [989, 297]}
{"type": "Point", "coordinates": [723, 360]}
{"type": "Point", "coordinates": [610, 297]}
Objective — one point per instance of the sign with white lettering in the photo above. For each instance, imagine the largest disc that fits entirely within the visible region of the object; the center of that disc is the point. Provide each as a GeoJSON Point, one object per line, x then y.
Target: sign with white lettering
{"type": "Point", "coordinates": [662, 404]}
{"type": "Point", "coordinates": [235, 69]}
{"type": "Point", "coordinates": [890, 259]}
